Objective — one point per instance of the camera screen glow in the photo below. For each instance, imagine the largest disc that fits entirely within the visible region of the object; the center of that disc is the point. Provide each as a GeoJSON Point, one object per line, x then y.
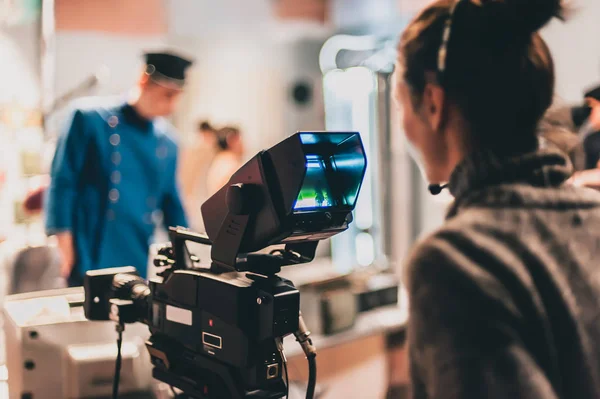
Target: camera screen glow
{"type": "Point", "coordinates": [315, 191]}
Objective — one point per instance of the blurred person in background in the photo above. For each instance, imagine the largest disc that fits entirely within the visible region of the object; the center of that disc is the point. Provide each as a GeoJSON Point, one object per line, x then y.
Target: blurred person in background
{"type": "Point", "coordinates": [504, 296]}
{"type": "Point", "coordinates": [590, 129]}
{"type": "Point", "coordinates": [196, 158]}
{"type": "Point", "coordinates": [579, 115]}
{"type": "Point", "coordinates": [588, 117]}
{"type": "Point", "coordinates": [557, 130]}
{"type": "Point", "coordinates": [114, 174]}
{"type": "Point", "coordinates": [228, 159]}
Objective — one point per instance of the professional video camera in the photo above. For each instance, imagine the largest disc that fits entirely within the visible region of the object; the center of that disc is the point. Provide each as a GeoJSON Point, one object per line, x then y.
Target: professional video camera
{"type": "Point", "coordinates": [217, 329]}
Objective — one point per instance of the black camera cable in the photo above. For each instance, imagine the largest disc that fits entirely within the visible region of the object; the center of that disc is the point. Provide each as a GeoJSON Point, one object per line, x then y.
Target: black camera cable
{"type": "Point", "coordinates": [279, 343]}
{"type": "Point", "coordinates": [287, 381]}
{"type": "Point", "coordinates": [115, 393]}
{"type": "Point", "coordinates": [303, 337]}
{"type": "Point", "coordinates": [312, 376]}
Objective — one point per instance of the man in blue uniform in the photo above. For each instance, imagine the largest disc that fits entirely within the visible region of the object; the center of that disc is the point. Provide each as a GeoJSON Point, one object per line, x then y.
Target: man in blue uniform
{"type": "Point", "coordinates": [113, 175]}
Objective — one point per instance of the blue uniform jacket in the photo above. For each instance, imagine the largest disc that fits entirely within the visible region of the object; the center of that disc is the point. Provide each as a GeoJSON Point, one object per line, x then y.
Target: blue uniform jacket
{"type": "Point", "coordinates": [113, 181]}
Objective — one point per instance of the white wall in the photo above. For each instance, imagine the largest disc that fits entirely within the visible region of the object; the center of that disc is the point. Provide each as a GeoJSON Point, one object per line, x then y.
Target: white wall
{"type": "Point", "coordinates": [246, 64]}
{"type": "Point", "coordinates": [377, 16]}
{"type": "Point", "coordinates": [235, 82]}
{"type": "Point", "coordinates": [208, 19]}
{"type": "Point", "coordinates": [575, 46]}
{"type": "Point", "coordinates": [81, 54]}
{"type": "Point", "coordinates": [248, 84]}
{"type": "Point", "coordinates": [19, 71]}
{"type": "Point", "coordinates": [301, 63]}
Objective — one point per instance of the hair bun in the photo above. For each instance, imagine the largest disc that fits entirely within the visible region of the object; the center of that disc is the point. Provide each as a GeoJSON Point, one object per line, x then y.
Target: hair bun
{"type": "Point", "coordinates": [205, 125]}
{"type": "Point", "coordinates": [526, 16]}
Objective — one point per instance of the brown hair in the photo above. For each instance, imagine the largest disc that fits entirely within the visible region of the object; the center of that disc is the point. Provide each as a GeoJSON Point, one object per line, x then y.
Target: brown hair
{"type": "Point", "coordinates": [205, 126]}
{"type": "Point", "coordinates": [498, 70]}
{"type": "Point", "coordinates": [224, 135]}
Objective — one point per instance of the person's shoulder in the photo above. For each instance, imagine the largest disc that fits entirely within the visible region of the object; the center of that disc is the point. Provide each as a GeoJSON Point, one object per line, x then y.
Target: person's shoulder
{"type": "Point", "coordinates": [429, 250]}
{"type": "Point", "coordinates": [95, 104]}
{"type": "Point", "coordinates": [462, 250]}
{"type": "Point", "coordinates": [511, 198]}
{"type": "Point", "coordinates": [95, 109]}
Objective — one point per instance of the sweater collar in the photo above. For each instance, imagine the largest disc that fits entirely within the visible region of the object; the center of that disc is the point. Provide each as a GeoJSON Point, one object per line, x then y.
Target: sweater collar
{"type": "Point", "coordinates": [480, 170]}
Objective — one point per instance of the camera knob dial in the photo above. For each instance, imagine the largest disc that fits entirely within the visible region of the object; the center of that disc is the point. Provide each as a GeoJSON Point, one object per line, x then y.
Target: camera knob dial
{"type": "Point", "coordinates": [262, 300]}
{"type": "Point", "coordinates": [165, 250]}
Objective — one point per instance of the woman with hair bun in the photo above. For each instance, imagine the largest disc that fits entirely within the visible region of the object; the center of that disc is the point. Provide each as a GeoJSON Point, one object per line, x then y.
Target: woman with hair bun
{"type": "Point", "coordinates": [228, 159]}
{"type": "Point", "coordinates": [505, 296]}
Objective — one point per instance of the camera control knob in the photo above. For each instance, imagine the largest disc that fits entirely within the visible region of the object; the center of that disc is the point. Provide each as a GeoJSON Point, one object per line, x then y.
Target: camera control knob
{"type": "Point", "coordinates": [262, 300]}
{"type": "Point", "coordinates": [165, 250]}
{"type": "Point", "coordinates": [161, 260]}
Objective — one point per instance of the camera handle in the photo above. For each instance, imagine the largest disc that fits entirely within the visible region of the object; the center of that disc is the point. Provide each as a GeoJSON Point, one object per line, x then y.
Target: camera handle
{"type": "Point", "coordinates": [178, 252]}
{"type": "Point", "coordinates": [228, 243]}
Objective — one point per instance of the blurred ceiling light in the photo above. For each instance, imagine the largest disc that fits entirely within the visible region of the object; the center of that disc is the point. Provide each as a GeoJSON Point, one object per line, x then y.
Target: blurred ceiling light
{"type": "Point", "coordinates": [365, 249]}
{"type": "Point", "coordinates": [353, 87]}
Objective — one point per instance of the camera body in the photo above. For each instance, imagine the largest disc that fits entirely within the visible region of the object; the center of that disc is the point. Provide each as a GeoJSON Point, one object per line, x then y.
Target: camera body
{"type": "Point", "coordinates": [217, 329]}
{"type": "Point", "coordinates": [212, 333]}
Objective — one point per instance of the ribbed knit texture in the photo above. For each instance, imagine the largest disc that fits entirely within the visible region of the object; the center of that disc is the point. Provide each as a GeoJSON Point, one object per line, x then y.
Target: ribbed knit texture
{"type": "Point", "coordinates": [505, 297]}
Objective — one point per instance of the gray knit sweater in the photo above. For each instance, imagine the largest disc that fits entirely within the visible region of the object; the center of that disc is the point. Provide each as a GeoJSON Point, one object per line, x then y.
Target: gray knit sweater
{"type": "Point", "coordinates": [505, 297]}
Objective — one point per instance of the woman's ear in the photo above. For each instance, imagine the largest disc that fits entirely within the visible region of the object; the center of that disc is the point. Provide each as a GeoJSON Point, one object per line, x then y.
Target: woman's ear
{"type": "Point", "coordinates": [433, 106]}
